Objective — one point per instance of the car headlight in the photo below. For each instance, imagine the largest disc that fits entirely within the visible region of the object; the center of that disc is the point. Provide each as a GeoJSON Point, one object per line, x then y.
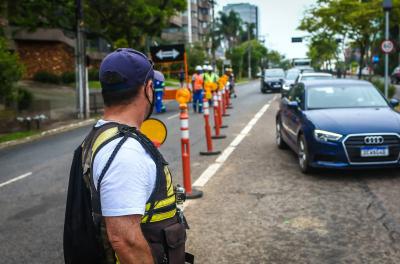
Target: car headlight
{"type": "Point", "coordinates": [285, 86]}
{"type": "Point", "coordinates": [326, 136]}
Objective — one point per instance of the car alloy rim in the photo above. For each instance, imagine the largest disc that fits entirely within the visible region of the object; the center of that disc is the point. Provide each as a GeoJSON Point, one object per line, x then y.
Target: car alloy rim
{"type": "Point", "coordinates": [278, 133]}
{"type": "Point", "coordinates": [302, 154]}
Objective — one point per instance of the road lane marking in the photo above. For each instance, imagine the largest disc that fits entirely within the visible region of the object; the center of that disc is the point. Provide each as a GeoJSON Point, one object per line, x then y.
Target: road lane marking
{"type": "Point", "coordinates": [213, 168]}
{"type": "Point", "coordinates": [16, 179]}
{"type": "Point", "coordinates": [173, 116]}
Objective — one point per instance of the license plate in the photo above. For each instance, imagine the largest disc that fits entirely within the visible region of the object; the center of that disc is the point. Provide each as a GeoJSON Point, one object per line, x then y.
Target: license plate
{"type": "Point", "coordinates": [374, 152]}
{"type": "Point", "coordinates": [277, 85]}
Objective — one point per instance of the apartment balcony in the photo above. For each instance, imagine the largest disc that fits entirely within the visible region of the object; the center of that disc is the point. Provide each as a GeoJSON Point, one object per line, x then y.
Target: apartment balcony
{"type": "Point", "coordinates": [204, 4]}
{"type": "Point", "coordinates": [176, 21]}
{"type": "Point", "coordinates": [178, 37]}
{"type": "Point", "coordinates": [204, 18]}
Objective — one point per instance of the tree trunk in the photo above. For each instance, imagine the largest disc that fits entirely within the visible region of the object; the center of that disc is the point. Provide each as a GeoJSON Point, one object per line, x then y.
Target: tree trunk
{"type": "Point", "coordinates": [361, 63]}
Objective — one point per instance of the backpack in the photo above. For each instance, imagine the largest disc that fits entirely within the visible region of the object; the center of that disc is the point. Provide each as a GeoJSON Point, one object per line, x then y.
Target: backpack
{"type": "Point", "coordinates": [82, 241]}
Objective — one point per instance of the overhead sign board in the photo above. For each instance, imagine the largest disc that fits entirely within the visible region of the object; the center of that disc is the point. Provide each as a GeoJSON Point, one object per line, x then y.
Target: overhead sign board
{"type": "Point", "coordinates": [387, 46]}
{"type": "Point", "coordinates": [297, 40]}
{"type": "Point", "coordinates": [167, 53]}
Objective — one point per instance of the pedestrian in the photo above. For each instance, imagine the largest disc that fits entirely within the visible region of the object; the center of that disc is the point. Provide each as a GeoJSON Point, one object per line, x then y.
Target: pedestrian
{"type": "Point", "coordinates": [198, 90]}
{"type": "Point", "coordinates": [210, 83]}
{"type": "Point", "coordinates": [133, 202]}
{"type": "Point", "coordinates": [159, 87]}
{"type": "Point", "coordinates": [181, 77]}
{"type": "Point", "coordinates": [232, 91]}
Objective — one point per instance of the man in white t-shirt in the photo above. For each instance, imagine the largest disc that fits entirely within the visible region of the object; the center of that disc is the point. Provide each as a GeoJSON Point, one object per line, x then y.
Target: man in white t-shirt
{"type": "Point", "coordinates": [134, 185]}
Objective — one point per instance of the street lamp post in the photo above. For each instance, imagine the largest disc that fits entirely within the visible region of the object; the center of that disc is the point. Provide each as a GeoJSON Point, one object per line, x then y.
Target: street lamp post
{"type": "Point", "coordinates": [249, 50]}
{"type": "Point", "coordinates": [387, 6]}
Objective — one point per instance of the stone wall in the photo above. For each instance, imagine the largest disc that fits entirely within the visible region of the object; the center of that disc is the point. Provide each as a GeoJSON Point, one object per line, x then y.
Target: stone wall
{"type": "Point", "coordinates": [53, 57]}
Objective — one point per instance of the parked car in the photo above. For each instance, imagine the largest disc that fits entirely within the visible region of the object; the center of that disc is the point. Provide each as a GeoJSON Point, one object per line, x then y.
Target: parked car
{"type": "Point", "coordinates": [339, 123]}
{"type": "Point", "coordinates": [313, 76]}
{"type": "Point", "coordinates": [290, 78]}
{"type": "Point", "coordinates": [272, 80]}
{"type": "Point", "coordinates": [395, 77]}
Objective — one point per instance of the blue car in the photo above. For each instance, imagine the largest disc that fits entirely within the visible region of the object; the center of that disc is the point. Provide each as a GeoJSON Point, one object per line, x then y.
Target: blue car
{"type": "Point", "coordinates": [339, 124]}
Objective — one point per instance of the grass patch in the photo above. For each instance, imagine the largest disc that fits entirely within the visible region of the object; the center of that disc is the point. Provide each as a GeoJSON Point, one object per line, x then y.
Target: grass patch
{"type": "Point", "coordinates": [242, 80]}
{"type": "Point", "coordinates": [94, 85]}
{"type": "Point", "coordinates": [17, 135]}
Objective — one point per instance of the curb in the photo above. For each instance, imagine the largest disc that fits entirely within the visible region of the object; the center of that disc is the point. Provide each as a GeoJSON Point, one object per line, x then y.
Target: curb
{"type": "Point", "coordinates": [46, 133]}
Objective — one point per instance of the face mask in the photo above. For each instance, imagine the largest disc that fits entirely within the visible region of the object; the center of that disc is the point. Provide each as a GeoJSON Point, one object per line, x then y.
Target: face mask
{"type": "Point", "coordinates": [151, 103]}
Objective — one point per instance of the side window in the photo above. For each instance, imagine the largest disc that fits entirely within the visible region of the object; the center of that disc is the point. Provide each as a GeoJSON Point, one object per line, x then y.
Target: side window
{"type": "Point", "coordinates": [297, 94]}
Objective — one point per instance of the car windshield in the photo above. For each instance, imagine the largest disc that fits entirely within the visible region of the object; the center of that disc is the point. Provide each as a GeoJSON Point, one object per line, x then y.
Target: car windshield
{"type": "Point", "coordinates": [344, 97]}
{"type": "Point", "coordinates": [316, 77]}
{"type": "Point", "coordinates": [275, 73]}
{"type": "Point", "coordinates": [292, 75]}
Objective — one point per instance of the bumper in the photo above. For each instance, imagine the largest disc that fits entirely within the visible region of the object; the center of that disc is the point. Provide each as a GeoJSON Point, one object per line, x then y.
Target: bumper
{"type": "Point", "coordinates": [333, 156]}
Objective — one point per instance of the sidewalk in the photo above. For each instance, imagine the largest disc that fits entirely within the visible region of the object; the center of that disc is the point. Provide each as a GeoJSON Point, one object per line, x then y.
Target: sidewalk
{"type": "Point", "coordinates": [258, 208]}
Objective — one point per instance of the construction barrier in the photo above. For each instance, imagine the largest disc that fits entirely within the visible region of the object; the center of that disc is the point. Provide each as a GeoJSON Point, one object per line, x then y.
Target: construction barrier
{"type": "Point", "coordinates": [220, 105]}
{"type": "Point", "coordinates": [206, 112]}
{"type": "Point", "coordinates": [216, 118]}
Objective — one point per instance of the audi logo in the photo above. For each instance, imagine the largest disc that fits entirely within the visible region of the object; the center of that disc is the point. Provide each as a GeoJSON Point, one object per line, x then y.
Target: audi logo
{"type": "Point", "coordinates": [374, 140]}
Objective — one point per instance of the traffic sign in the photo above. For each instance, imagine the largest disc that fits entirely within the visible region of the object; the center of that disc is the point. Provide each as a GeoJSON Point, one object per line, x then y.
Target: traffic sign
{"type": "Point", "coordinates": [168, 53]}
{"type": "Point", "coordinates": [375, 59]}
{"type": "Point", "coordinates": [297, 40]}
{"type": "Point", "coordinates": [387, 46]}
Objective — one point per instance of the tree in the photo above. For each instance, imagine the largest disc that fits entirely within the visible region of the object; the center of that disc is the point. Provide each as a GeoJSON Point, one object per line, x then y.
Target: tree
{"type": "Point", "coordinates": [360, 21]}
{"type": "Point", "coordinates": [10, 72]}
{"type": "Point", "coordinates": [322, 48]}
{"type": "Point", "coordinates": [230, 27]}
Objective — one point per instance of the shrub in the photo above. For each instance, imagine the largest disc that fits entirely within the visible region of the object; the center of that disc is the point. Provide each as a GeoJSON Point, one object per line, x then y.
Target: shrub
{"type": "Point", "coordinates": [381, 86]}
{"type": "Point", "coordinates": [93, 75]}
{"type": "Point", "coordinates": [24, 99]}
{"type": "Point", "coordinates": [68, 77]}
{"type": "Point", "coordinates": [10, 72]}
{"type": "Point", "coordinates": [46, 77]}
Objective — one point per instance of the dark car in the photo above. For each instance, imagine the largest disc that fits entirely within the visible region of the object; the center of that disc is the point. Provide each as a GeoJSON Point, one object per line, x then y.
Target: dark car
{"type": "Point", "coordinates": [339, 124]}
{"type": "Point", "coordinates": [272, 80]}
{"type": "Point", "coordinates": [395, 77]}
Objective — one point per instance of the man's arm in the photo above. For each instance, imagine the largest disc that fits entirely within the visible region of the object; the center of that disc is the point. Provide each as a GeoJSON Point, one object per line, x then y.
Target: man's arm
{"type": "Point", "coordinates": [127, 240]}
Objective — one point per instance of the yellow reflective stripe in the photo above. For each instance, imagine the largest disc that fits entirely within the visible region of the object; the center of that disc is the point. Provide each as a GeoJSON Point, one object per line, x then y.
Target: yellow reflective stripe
{"type": "Point", "coordinates": [103, 137]}
{"type": "Point", "coordinates": [163, 203]}
{"type": "Point", "coordinates": [170, 189]}
{"type": "Point", "coordinates": [161, 216]}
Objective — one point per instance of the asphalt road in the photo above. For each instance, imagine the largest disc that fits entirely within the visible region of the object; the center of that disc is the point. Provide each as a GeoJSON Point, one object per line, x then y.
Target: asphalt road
{"type": "Point", "coordinates": [32, 209]}
{"type": "Point", "coordinates": [259, 208]}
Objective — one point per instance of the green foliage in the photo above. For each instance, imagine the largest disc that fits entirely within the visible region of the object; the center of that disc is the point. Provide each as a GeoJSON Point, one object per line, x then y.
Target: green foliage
{"type": "Point", "coordinates": [93, 75]}
{"type": "Point", "coordinates": [10, 72]}
{"type": "Point", "coordinates": [230, 26]}
{"type": "Point", "coordinates": [46, 77]}
{"type": "Point", "coordinates": [196, 56]}
{"type": "Point", "coordinates": [68, 77]}
{"type": "Point", "coordinates": [121, 43]}
{"type": "Point", "coordinates": [381, 86]}
{"type": "Point", "coordinates": [24, 99]}
{"type": "Point", "coordinates": [17, 135]}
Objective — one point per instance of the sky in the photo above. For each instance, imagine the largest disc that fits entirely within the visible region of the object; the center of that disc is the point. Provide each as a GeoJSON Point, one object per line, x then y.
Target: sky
{"type": "Point", "coordinates": [278, 22]}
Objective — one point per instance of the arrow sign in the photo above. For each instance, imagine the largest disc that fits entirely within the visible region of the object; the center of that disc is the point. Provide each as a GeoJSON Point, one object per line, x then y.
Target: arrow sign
{"type": "Point", "coordinates": [167, 53]}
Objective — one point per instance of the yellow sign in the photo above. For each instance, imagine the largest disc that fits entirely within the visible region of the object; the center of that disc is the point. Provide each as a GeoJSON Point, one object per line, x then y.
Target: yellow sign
{"type": "Point", "coordinates": [183, 96]}
{"type": "Point", "coordinates": [155, 130]}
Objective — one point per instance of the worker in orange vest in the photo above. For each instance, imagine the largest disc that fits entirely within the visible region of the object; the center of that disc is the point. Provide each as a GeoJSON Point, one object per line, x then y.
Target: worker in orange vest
{"type": "Point", "coordinates": [198, 90]}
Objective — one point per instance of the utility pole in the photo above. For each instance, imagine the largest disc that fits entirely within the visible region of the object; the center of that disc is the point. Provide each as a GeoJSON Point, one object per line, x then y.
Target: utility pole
{"type": "Point", "coordinates": [189, 16]}
{"type": "Point", "coordinates": [387, 6]}
{"type": "Point", "coordinates": [249, 51]}
{"type": "Point", "coordinates": [80, 71]}
{"type": "Point", "coordinates": [213, 32]}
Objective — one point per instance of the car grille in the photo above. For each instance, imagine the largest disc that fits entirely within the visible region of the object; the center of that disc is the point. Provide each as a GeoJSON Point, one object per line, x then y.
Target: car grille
{"type": "Point", "coordinates": [353, 145]}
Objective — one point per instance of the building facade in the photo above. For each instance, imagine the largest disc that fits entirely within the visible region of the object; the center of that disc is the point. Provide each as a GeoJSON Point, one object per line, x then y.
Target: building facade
{"type": "Point", "coordinates": [247, 12]}
{"type": "Point", "coordinates": [178, 31]}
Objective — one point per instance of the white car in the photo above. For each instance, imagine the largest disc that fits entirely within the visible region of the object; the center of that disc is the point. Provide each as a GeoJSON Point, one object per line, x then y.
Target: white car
{"type": "Point", "coordinates": [313, 76]}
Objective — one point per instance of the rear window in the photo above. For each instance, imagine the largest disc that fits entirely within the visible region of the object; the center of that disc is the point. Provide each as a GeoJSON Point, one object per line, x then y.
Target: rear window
{"type": "Point", "coordinates": [275, 73]}
{"type": "Point", "coordinates": [309, 78]}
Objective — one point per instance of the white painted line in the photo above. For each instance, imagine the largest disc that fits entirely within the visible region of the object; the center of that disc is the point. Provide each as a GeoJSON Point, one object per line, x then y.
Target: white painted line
{"type": "Point", "coordinates": [173, 116]}
{"type": "Point", "coordinates": [15, 179]}
{"type": "Point", "coordinates": [213, 168]}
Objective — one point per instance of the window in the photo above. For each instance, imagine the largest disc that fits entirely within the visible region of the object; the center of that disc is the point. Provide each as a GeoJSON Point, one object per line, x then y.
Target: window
{"type": "Point", "coordinates": [297, 94]}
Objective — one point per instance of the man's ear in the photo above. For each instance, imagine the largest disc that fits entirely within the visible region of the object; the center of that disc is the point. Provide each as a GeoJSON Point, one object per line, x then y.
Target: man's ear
{"type": "Point", "coordinates": [149, 86]}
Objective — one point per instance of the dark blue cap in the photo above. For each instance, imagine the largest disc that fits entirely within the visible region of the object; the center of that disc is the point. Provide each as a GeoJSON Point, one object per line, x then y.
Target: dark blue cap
{"type": "Point", "coordinates": [125, 69]}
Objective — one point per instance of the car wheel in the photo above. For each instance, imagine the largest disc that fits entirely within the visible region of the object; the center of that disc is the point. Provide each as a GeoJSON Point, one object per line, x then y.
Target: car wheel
{"type": "Point", "coordinates": [303, 156]}
{"type": "Point", "coordinates": [263, 90]}
{"type": "Point", "coordinates": [279, 141]}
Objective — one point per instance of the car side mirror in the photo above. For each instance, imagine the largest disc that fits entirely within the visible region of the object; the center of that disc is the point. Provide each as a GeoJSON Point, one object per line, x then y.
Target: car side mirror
{"type": "Point", "coordinates": [293, 104]}
{"type": "Point", "coordinates": [394, 102]}
{"type": "Point", "coordinates": [292, 85]}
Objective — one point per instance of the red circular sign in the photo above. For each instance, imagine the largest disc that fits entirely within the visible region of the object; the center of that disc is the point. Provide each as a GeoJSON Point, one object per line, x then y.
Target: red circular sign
{"type": "Point", "coordinates": [387, 46]}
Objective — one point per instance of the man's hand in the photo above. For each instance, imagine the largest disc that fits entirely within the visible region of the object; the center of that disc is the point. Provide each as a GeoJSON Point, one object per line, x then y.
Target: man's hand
{"type": "Point", "coordinates": [126, 238]}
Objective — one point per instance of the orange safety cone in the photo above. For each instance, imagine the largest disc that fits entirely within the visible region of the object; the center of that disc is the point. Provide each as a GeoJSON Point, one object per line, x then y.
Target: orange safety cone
{"type": "Point", "coordinates": [191, 193]}
{"type": "Point", "coordinates": [216, 118]}
{"type": "Point", "coordinates": [221, 125]}
{"type": "Point", "coordinates": [206, 111]}
{"type": "Point", "coordinates": [224, 104]}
